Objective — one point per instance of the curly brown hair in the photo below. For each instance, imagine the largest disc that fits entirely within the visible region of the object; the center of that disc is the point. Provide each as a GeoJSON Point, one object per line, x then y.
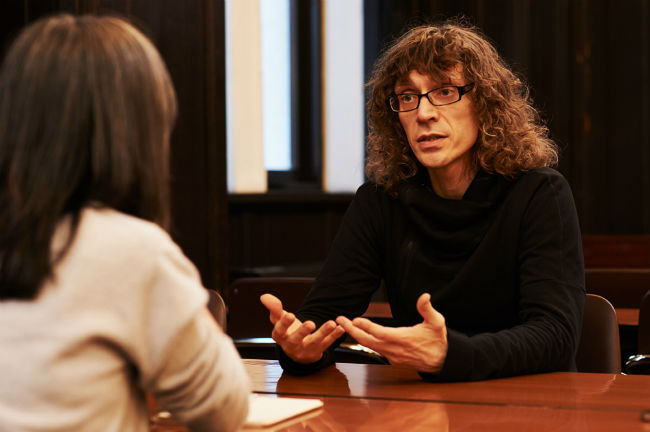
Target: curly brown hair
{"type": "Point", "coordinates": [512, 138]}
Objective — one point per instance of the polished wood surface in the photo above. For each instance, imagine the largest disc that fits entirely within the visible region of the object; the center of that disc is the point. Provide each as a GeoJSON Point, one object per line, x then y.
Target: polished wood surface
{"type": "Point", "coordinates": [361, 397]}
{"type": "Point", "coordinates": [339, 414]}
{"type": "Point", "coordinates": [553, 390]}
{"type": "Point", "coordinates": [393, 415]}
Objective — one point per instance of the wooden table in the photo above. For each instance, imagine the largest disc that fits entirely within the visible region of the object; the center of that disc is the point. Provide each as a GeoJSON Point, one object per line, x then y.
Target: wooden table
{"type": "Point", "coordinates": [361, 397]}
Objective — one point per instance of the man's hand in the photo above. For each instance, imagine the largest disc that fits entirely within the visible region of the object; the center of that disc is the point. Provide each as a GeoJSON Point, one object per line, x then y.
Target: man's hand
{"type": "Point", "coordinates": [299, 340]}
{"type": "Point", "coordinates": [423, 346]}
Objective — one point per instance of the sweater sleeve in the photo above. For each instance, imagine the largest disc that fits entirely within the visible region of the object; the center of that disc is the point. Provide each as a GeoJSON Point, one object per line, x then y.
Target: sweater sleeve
{"type": "Point", "coordinates": [189, 364]}
{"type": "Point", "coordinates": [202, 380]}
{"type": "Point", "coordinates": [550, 304]}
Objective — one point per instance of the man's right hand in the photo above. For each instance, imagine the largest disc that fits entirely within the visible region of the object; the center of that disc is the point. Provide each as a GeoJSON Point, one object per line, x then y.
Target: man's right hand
{"type": "Point", "coordinates": [299, 340]}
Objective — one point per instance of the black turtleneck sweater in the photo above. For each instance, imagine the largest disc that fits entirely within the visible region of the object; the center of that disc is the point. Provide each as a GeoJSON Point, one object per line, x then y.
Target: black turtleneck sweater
{"type": "Point", "coordinates": [504, 266]}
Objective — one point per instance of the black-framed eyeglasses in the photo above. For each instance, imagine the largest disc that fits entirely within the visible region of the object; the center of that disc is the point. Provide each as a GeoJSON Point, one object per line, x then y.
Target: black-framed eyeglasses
{"type": "Point", "coordinates": [445, 95]}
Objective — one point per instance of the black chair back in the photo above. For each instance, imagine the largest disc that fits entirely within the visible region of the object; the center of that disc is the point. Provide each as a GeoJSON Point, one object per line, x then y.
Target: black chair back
{"type": "Point", "coordinates": [217, 308]}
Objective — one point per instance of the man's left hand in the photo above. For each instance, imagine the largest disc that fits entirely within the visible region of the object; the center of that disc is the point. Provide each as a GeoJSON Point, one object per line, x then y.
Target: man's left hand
{"type": "Point", "coordinates": [422, 346]}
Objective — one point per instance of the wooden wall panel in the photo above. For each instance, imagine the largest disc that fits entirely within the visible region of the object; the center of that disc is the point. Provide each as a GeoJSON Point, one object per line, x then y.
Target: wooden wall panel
{"type": "Point", "coordinates": [610, 173]}
{"type": "Point", "coordinates": [283, 234]}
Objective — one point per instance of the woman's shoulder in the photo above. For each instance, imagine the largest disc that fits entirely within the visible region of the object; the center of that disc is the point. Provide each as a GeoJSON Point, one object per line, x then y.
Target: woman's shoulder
{"type": "Point", "coordinates": [109, 242]}
{"type": "Point", "coordinates": [118, 222]}
{"type": "Point", "coordinates": [108, 228]}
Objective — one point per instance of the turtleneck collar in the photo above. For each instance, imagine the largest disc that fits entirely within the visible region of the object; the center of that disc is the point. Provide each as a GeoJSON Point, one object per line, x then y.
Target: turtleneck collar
{"type": "Point", "coordinates": [456, 225]}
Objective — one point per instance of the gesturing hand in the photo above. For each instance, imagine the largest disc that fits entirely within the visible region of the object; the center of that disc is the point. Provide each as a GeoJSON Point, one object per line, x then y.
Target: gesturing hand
{"type": "Point", "coordinates": [422, 346]}
{"type": "Point", "coordinates": [299, 340]}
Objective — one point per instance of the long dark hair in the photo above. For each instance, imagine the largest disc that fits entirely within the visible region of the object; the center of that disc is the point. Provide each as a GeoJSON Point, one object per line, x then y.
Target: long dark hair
{"type": "Point", "coordinates": [86, 110]}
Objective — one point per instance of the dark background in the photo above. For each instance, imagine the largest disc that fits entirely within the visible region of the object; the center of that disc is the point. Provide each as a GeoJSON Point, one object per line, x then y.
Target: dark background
{"type": "Point", "coordinates": [585, 60]}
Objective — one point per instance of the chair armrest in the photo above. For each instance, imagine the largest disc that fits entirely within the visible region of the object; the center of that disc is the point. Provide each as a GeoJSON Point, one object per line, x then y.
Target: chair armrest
{"type": "Point", "coordinates": [638, 364]}
{"type": "Point", "coordinates": [348, 352]}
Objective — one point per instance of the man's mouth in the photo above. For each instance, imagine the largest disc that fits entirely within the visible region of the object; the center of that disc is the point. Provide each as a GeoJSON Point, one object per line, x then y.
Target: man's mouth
{"type": "Point", "coordinates": [430, 138]}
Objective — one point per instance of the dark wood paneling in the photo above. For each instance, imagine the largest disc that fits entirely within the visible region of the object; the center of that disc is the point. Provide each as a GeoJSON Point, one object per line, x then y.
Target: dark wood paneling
{"type": "Point", "coordinates": [276, 234]}
{"type": "Point", "coordinates": [610, 116]}
{"type": "Point", "coordinates": [619, 251]}
{"type": "Point", "coordinates": [12, 18]}
{"type": "Point", "coordinates": [623, 287]}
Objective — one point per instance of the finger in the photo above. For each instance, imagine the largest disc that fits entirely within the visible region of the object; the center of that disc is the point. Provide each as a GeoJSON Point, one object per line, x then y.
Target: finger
{"type": "Point", "coordinates": [319, 334]}
{"type": "Point", "coordinates": [282, 326]}
{"type": "Point", "coordinates": [380, 333]}
{"type": "Point", "coordinates": [332, 337]}
{"type": "Point", "coordinates": [386, 334]}
{"type": "Point", "coordinates": [428, 313]}
{"type": "Point", "coordinates": [325, 335]}
{"type": "Point", "coordinates": [344, 322]}
{"type": "Point", "coordinates": [296, 336]}
{"type": "Point", "coordinates": [358, 334]}
{"type": "Point", "coordinates": [274, 305]}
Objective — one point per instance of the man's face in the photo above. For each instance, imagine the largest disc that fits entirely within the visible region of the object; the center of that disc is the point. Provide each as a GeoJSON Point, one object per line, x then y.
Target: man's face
{"type": "Point", "coordinates": [440, 136]}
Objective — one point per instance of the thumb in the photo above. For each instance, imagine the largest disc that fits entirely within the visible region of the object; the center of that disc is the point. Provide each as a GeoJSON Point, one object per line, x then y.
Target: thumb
{"type": "Point", "coordinates": [274, 305]}
{"type": "Point", "coordinates": [430, 315]}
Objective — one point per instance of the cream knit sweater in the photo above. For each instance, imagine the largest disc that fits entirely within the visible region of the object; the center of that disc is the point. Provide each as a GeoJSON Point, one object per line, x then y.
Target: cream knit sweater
{"type": "Point", "coordinates": [124, 314]}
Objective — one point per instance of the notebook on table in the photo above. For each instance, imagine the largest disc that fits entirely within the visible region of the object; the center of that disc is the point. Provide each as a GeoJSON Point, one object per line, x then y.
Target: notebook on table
{"type": "Point", "coordinates": [267, 410]}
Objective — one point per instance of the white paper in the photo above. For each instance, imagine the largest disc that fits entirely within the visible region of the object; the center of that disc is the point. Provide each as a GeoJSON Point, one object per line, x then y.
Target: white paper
{"type": "Point", "coordinates": [267, 410]}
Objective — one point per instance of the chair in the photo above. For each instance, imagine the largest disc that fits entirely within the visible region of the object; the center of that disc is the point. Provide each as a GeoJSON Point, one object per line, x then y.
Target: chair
{"type": "Point", "coordinates": [640, 363]}
{"type": "Point", "coordinates": [643, 341]}
{"type": "Point", "coordinates": [250, 328]}
{"type": "Point", "coordinates": [217, 307]}
{"type": "Point", "coordinates": [599, 349]}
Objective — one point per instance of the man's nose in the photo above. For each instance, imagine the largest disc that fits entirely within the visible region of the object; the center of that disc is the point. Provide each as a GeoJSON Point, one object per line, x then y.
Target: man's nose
{"type": "Point", "coordinates": [427, 110]}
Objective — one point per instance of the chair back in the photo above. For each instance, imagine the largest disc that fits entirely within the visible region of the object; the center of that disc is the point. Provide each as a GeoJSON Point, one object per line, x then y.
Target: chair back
{"type": "Point", "coordinates": [247, 316]}
{"type": "Point", "coordinates": [217, 308]}
{"type": "Point", "coordinates": [639, 363]}
{"type": "Point", "coordinates": [599, 349]}
{"type": "Point", "coordinates": [643, 344]}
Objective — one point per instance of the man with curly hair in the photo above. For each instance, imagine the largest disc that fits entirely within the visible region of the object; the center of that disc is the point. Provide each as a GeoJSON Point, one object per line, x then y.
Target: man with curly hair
{"type": "Point", "coordinates": [475, 237]}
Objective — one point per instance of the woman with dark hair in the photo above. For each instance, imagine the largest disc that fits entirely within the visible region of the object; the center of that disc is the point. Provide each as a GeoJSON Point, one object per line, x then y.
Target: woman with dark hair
{"type": "Point", "coordinates": [475, 237]}
{"type": "Point", "coordinates": [97, 304]}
